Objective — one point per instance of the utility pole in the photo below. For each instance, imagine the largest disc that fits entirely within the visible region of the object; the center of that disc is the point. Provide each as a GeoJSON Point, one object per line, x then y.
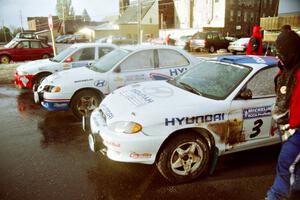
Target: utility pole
{"type": "Point", "coordinates": [139, 18]}
{"type": "Point", "coordinates": [21, 18]}
{"type": "Point", "coordinates": [63, 15]}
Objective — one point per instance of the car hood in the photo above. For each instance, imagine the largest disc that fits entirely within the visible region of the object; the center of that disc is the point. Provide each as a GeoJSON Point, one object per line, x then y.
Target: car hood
{"type": "Point", "coordinates": [36, 66]}
{"type": "Point", "coordinates": [69, 77]}
{"type": "Point", "coordinates": [153, 102]}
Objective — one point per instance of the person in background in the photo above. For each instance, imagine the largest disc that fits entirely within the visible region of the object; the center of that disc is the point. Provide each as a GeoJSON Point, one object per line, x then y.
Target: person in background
{"type": "Point", "coordinates": [286, 113]}
{"type": "Point", "coordinates": [168, 39]}
{"type": "Point", "coordinates": [285, 27]}
{"type": "Point", "coordinates": [255, 43]}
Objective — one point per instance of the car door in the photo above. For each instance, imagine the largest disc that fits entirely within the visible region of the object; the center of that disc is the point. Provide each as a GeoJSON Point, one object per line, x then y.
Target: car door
{"type": "Point", "coordinates": [251, 116]}
{"type": "Point", "coordinates": [135, 68]}
{"type": "Point", "coordinates": [83, 56]}
{"type": "Point", "coordinates": [22, 51]}
{"type": "Point", "coordinates": [171, 63]}
{"type": "Point", "coordinates": [36, 50]}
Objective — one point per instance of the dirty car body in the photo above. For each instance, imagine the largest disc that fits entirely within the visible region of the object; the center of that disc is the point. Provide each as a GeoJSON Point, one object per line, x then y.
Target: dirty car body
{"type": "Point", "coordinates": [220, 106]}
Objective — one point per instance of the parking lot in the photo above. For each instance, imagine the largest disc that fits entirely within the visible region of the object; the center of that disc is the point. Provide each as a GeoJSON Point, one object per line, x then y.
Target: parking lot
{"type": "Point", "coordinates": [45, 155]}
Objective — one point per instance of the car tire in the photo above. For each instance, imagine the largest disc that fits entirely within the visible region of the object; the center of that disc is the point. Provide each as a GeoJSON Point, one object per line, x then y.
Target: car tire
{"type": "Point", "coordinates": [38, 79]}
{"type": "Point", "coordinates": [234, 52]}
{"type": "Point", "coordinates": [4, 59]}
{"type": "Point", "coordinates": [184, 158]}
{"type": "Point", "coordinates": [211, 49]}
{"type": "Point", "coordinates": [84, 102]}
{"type": "Point", "coordinates": [45, 56]}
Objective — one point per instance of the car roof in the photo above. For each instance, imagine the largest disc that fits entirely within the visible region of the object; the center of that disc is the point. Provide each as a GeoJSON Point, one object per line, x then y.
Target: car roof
{"type": "Point", "coordinates": [249, 60]}
{"type": "Point", "coordinates": [79, 45]}
{"type": "Point", "coordinates": [146, 46]}
{"type": "Point", "coordinates": [26, 39]}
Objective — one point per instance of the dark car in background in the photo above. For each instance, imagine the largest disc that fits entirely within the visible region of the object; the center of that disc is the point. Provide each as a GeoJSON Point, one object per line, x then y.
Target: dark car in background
{"type": "Point", "coordinates": [210, 41]}
{"type": "Point", "coordinates": [25, 49]}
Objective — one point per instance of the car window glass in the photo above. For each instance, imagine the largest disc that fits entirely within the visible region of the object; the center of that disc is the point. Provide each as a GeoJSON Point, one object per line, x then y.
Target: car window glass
{"type": "Point", "coordinates": [209, 36]}
{"type": "Point", "coordinates": [221, 37]}
{"type": "Point", "coordinates": [35, 45]}
{"type": "Point", "coordinates": [103, 50]}
{"type": "Point", "coordinates": [24, 44]}
{"type": "Point", "coordinates": [84, 54]}
{"type": "Point", "coordinates": [44, 45]}
{"type": "Point", "coordinates": [169, 58]}
{"type": "Point", "coordinates": [262, 84]}
{"type": "Point", "coordinates": [140, 60]}
{"type": "Point", "coordinates": [215, 36]}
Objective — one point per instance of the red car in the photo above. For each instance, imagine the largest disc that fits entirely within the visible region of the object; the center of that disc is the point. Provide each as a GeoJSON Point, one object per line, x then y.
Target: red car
{"type": "Point", "coordinates": [25, 49]}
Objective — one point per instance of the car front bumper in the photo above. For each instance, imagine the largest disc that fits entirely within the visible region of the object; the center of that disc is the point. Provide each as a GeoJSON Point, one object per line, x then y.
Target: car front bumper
{"type": "Point", "coordinates": [23, 81]}
{"type": "Point", "coordinates": [50, 101]}
{"type": "Point", "coordinates": [133, 148]}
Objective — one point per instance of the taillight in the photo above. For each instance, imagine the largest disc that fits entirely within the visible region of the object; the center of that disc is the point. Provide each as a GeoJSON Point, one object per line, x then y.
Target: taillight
{"type": "Point", "coordinates": [205, 42]}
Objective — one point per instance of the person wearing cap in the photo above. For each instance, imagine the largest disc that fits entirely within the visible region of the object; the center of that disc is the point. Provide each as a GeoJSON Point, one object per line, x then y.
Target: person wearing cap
{"type": "Point", "coordinates": [286, 113]}
{"type": "Point", "coordinates": [254, 46]}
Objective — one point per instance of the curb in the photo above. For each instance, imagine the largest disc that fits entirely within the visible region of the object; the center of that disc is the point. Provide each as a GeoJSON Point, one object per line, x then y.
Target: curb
{"type": "Point", "coordinates": [7, 72]}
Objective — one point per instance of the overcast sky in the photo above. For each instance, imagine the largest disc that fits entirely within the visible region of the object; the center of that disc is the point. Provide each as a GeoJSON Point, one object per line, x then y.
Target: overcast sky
{"type": "Point", "coordinates": [10, 9]}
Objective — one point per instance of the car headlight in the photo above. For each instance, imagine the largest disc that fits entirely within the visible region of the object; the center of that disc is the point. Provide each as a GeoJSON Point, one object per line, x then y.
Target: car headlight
{"type": "Point", "coordinates": [125, 127]}
{"type": "Point", "coordinates": [23, 73]}
{"type": "Point", "coordinates": [55, 89]}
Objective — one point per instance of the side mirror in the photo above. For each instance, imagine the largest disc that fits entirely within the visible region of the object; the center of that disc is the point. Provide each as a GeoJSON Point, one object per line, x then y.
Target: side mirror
{"type": "Point", "coordinates": [245, 94]}
{"type": "Point", "coordinates": [90, 63]}
{"type": "Point", "coordinates": [117, 69]}
{"type": "Point", "coordinates": [69, 59]}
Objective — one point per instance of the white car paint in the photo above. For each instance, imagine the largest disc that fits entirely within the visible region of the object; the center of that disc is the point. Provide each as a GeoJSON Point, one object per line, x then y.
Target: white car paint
{"type": "Point", "coordinates": [73, 80]}
{"type": "Point", "coordinates": [162, 109]}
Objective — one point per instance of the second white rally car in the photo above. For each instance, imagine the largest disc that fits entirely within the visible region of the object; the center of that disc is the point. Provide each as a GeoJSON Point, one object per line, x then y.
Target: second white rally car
{"type": "Point", "coordinates": [82, 89]}
{"type": "Point", "coordinates": [217, 107]}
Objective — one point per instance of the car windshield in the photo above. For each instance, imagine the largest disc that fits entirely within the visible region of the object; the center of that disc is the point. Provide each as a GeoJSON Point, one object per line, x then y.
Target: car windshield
{"type": "Point", "coordinates": [62, 55]}
{"type": "Point", "coordinates": [11, 44]}
{"type": "Point", "coordinates": [108, 61]}
{"type": "Point", "coordinates": [212, 79]}
{"type": "Point", "coordinates": [199, 35]}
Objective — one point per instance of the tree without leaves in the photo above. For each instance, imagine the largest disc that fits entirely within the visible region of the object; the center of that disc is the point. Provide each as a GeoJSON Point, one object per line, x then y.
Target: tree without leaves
{"type": "Point", "coordinates": [85, 16]}
{"type": "Point", "coordinates": [64, 9]}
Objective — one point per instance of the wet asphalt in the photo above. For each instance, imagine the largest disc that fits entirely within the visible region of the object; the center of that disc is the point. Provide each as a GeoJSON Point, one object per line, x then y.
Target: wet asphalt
{"type": "Point", "coordinates": [45, 155]}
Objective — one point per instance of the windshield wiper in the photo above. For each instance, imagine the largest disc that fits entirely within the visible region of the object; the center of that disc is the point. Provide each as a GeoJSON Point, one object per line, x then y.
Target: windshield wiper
{"type": "Point", "coordinates": [190, 88]}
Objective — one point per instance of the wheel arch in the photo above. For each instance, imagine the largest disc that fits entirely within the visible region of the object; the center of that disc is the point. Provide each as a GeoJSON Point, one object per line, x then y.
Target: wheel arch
{"type": "Point", "coordinates": [87, 88]}
{"type": "Point", "coordinates": [7, 54]}
{"type": "Point", "coordinates": [204, 133]}
{"type": "Point", "coordinates": [35, 76]}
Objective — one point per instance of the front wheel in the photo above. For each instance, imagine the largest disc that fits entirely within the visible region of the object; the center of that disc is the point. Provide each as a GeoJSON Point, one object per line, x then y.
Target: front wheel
{"type": "Point", "coordinates": [84, 102]}
{"type": "Point", "coordinates": [184, 158]}
{"type": "Point", "coordinates": [4, 59]}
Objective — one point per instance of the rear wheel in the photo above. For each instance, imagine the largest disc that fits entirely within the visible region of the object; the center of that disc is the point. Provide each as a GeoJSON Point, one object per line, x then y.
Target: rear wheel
{"type": "Point", "coordinates": [184, 158]}
{"type": "Point", "coordinates": [84, 102]}
{"type": "Point", "coordinates": [211, 49]}
{"type": "Point", "coordinates": [234, 52]}
{"type": "Point", "coordinates": [4, 59]}
{"type": "Point", "coordinates": [45, 56]}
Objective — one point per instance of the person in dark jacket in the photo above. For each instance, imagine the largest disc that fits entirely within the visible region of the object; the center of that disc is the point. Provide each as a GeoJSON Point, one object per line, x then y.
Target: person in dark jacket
{"type": "Point", "coordinates": [286, 113]}
{"type": "Point", "coordinates": [255, 46]}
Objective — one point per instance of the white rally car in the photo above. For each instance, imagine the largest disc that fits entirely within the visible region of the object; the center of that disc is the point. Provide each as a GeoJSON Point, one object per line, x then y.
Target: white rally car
{"type": "Point", "coordinates": [82, 89]}
{"type": "Point", "coordinates": [77, 55]}
{"type": "Point", "coordinates": [217, 107]}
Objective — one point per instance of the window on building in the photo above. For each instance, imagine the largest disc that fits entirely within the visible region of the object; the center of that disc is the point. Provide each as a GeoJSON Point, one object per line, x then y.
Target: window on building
{"type": "Point", "coordinates": [245, 16]}
{"type": "Point", "coordinates": [231, 15]}
{"type": "Point", "coordinates": [239, 13]}
{"type": "Point", "coordinates": [252, 17]}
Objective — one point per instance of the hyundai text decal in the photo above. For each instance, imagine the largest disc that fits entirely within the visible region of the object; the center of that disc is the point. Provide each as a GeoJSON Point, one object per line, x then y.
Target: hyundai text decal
{"type": "Point", "coordinates": [176, 72]}
{"type": "Point", "coordinates": [257, 112]}
{"type": "Point", "coordinates": [194, 120]}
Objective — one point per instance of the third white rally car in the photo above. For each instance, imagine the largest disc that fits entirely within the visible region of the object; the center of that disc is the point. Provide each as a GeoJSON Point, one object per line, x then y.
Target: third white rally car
{"type": "Point", "coordinates": [82, 89]}
{"type": "Point", "coordinates": [217, 107]}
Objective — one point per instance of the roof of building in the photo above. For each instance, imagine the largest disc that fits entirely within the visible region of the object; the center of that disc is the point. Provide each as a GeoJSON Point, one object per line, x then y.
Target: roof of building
{"type": "Point", "coordinates": [130, 15]}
